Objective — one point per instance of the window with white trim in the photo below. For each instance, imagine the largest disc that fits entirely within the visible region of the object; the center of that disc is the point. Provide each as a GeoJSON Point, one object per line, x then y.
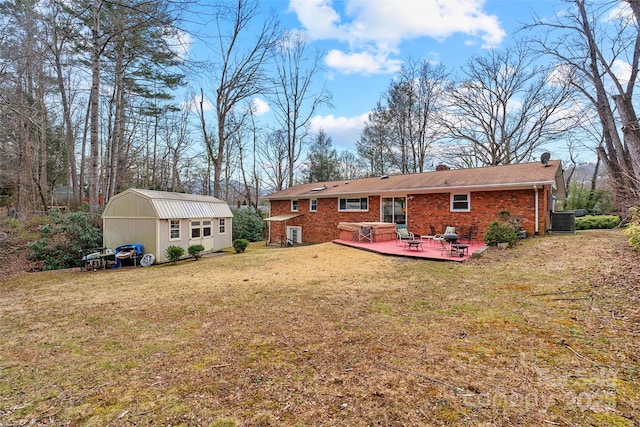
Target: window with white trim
{"type": "Point", "coordinates": [460, 202]}
{"type": "Point", "coordinates": [195, 229]}
{"type": "Point", "coordinates": [174, 229]}
{"type": "Point", "coordinates": [294, 206]}
{"type": "Point", "coordinates": [222, 226]}
{"type": "Point", "coordinates": [313, 205]}
{"type": "Point", "coordinates": [206, 228]}
{"type": "Point", "coordinates": [359, 204]}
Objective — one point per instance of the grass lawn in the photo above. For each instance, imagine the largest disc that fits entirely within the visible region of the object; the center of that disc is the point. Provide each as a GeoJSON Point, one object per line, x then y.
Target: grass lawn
{"type": "Point", "coordinates": [547, 333]}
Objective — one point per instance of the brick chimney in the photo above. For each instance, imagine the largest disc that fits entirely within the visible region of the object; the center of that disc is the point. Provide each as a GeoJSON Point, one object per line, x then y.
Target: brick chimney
{"type": "Point", "coordinates": [442, 167]}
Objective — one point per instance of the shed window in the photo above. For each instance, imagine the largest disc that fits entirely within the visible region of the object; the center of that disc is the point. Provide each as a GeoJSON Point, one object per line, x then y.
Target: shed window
{"type": "Point", "coordinates": [460, 202]}
{"type": "Point", "coordinates": [361, 204]}
{"type": "Point", "coordinates": [174, 229]}
{"type": "Point", "coordinates": [195, 229]}
{"type": "Point", "coordinates": [206, 228]}
{"type": "Point", "coordinates": [222, 226]}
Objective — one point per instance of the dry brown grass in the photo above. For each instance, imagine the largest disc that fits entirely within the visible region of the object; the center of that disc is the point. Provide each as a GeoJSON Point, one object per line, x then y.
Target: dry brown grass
{"type": "Point", "coordinates": [543, 334]}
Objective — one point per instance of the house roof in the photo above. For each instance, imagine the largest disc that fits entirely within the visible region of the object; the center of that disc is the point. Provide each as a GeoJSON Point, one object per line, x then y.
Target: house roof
{"type": "Point", "coordinates": [172, 205]}
{"type": "Point", "coordinates": [516, 176]}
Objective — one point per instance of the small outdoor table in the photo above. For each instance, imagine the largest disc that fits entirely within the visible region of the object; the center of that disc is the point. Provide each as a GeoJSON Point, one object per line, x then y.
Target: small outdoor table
{"type": "Point", "coordinates": [428, 238]}
{"type": "Point", "coordinates": [414, 244]}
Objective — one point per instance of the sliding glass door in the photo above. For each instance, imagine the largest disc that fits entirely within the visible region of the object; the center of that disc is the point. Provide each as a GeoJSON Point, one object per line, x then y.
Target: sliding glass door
{"type": "Point", "coordinates": [394, 209]}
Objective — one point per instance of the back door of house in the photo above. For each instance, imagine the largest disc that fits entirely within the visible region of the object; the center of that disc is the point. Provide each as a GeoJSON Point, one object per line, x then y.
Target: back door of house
{"type": "Point", "coordinates": [294, 233]}
{"type": "Point", "coordinates": [394, 209]}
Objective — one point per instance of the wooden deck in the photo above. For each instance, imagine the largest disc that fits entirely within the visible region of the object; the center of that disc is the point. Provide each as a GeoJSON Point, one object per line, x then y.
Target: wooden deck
{"type": "Point", "coordinates": [428, 249]}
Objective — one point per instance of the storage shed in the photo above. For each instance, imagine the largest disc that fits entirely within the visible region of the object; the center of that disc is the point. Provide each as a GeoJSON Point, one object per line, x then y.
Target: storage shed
{"type": "Point", "coordinates": [159, 219]}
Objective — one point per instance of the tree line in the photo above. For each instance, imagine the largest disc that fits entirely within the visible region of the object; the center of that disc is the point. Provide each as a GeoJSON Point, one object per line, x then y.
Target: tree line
{"type": "Point", "coordinates": [89, 101]}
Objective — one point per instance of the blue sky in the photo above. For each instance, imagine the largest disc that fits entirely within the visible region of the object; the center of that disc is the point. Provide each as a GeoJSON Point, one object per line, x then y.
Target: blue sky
{"type": "Point", "coordinates": [365, 41]}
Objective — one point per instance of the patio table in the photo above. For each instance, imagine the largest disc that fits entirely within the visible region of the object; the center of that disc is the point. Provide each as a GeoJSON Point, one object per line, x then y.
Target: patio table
{"type": "Point", "coordinates": [428, 238]}
{"type": "Point", "coordinates": [413, 244]}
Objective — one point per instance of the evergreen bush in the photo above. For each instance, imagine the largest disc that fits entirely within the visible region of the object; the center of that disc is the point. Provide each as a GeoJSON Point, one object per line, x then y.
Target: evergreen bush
{"type": "Point", "coordinates": [500, 232]}
{"type": "Point", "coordinates": [174, 253]}
{"type": "Point", "coordinates": [248, 224]}
{"type": "Point", "coordinates": [63, 238]}
{"type": "Point", "coordinates": [194, 251]}
{"type": "Point", "coordinates": [590, 222]}
{"type": "Point", "coordinates": [240, 245]}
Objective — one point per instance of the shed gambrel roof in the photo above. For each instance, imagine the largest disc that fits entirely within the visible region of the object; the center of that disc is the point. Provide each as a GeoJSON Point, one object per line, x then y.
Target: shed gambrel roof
{"type": "Point", "coordinates": [165, 205]}
{"type": "Point", "coordinates": [516, 176]}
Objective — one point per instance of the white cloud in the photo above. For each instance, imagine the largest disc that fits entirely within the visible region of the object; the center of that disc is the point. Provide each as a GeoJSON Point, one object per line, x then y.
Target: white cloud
{"type": "Point", "coordinates": [319, 18]}
{"type": "Point", "coordinates": [559, 75]}
{"type": "Point", "coordinates": [622, 11]}
{"type": "Point", "coordinates": [193, 104]}
{"type": "Point", "coordinates": [378, 27]}
{"type": "Point", "coordinates": [343, 131]}
{"type": "Point", "coordinates": [363, 63]}
{"type": "Point", "coordinates": [622, 70]}
{"type": "Point", "coordinates": [260, 107]}
{"type": "Point", "coordinates": [180, 43]}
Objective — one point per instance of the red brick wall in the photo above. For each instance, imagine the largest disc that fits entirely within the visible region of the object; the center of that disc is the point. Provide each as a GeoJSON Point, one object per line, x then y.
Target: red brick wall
{"type": "Point", "coordinates": [423, 210]}
{"type": "Point", "coordinates": [320, 226]}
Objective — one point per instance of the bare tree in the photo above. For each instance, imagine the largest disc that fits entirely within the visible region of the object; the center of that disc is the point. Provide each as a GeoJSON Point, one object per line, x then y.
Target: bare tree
{"type": "Point", "coordinates": [97, 47]}
{"type": "Point", "coordinates": [295, 98]}
{"type": "Point", "coordinates": [504, 108]}
{"type": "Point", "coordinates": [415, 102]}
{"type": "Point", "coordinates": [239, 71]}
{"type": "Point", "coordinates": [26, 85]}
{"type": "Point", "coordinates": [248, 159]}
{"type": "Point", "coordinates": [272, 155]}
{"type": "Point", "coordinates": [592, 40]}
{"type": "Point", "coordinates": [60, 45]}
{"type": "Point", "coordinates": [349, 166]}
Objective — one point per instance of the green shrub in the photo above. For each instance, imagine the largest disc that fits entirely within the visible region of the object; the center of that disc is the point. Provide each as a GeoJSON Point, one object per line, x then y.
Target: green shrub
{"type": "Point", "coordinates": [62, 239]}
{"type": "Point", "coordinates": [590, 222]}
{"type": "Point", "coordinates": [500, 232]}
{"type": "Point", "coordinates": [174, 253]}
{"type": "Point", "coordinates": [194, 251]}
{"type": "Point", "coordinates": [240, 245]}
{"type": "Point", "coordinates": [633, 229]}
{"type": "Point", "coordinates": [248, 224]}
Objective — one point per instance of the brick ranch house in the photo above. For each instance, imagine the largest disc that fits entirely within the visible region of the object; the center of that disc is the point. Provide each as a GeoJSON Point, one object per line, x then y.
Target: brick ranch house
{"type": "Point", "coordinates": [310, 213]}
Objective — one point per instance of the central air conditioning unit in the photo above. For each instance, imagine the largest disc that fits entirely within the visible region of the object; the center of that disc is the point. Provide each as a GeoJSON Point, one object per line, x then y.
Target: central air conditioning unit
{"type": "Point", "coordinates": [563, 222]}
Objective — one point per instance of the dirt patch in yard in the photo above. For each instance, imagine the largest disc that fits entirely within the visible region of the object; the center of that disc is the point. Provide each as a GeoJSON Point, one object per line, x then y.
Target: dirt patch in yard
{"type": "Point", "coordinates": [542, 334]}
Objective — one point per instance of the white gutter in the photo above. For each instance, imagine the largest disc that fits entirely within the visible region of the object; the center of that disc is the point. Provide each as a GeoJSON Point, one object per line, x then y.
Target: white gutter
{"type": "Point", "coordinates": [415, 190]}
{"type": "Point", "coordinates": [535, 188]}
{"type": "Point", "coordinates": [269, 226]}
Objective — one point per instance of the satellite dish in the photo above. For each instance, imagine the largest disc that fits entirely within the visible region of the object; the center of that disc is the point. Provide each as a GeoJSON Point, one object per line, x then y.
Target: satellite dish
{"type": "Point", "coordinates": [545, 158]}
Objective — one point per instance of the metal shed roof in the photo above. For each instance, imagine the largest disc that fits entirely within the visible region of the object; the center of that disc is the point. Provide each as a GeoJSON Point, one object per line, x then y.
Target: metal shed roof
{"type": "Point", "coordinates": [177, 205]}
